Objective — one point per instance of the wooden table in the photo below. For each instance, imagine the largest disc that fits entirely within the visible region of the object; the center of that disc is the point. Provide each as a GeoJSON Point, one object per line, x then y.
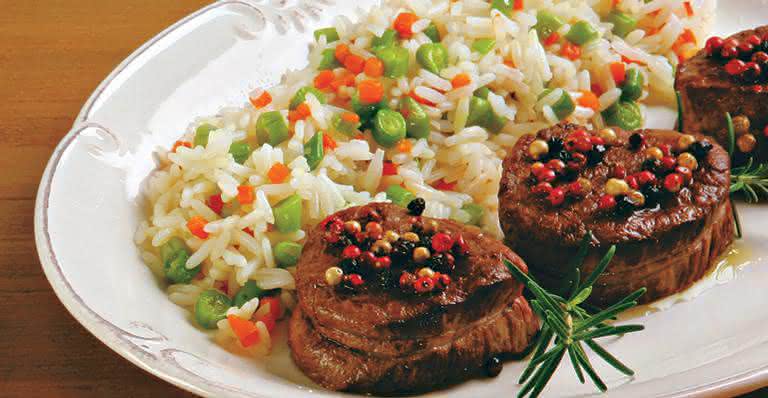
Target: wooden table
{"type": "Point", "coordinates": [54, 53]}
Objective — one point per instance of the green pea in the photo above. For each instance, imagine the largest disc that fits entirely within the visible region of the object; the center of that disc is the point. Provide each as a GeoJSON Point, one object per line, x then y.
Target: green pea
{"type": "Point", "coordinates": [623, 24]}
{"type": "Point", "coordinates": [331, 35]}
{"type": "Point", "coordinates": [271, 128]}
{"type": "Point", "coordinates": [365, 111]}
{"type": "Point", "coordinates": [314, 151]}
{"type": "Point", "coordinates": [482, 92]}
{"type": "Point", "coordinates": [564, 106]}
{"type": "Point", "coordinates": [211, 307]}
{"type": "Point", "coordinates": [483, 46]}
{"type": "Point", "coordinates": [432, 32]}
{"type": "Point", "coordinates": [581, 33]}
{"type": "Point", "coordinates": [395, 59]}
{"type": "Point", "coordinates": [475, 212]}
{"type": "Point", "coordinates": [248, 292]}
{"type": "Point", "coordinates": [505, 6]}
{"type": "Point", "coordinates": [624, 114]}
{"type": "Point", "coordinates": [175, 268]}
{"type": "Point", "coordinates": [287, 253]}
{"type": "Point", "coordinates": [202, 133]}
{"type": "Point", "coordinates": [388, 127]}
{"type": "Point", "coordinates": [287, 214]}
{"type": "Point", "coordinates": [399, 195]}
{"type": "Point", "coordinates": [481, 114]}
{"type": "Point", "coordinates": [342, 126]}
{"type": "Point", "coordinates": [416, 119]}
{"type": "Point", "coordinates": [387, 39]}
{"type": "Point", "coordinates": [432, 57]}
{"type": "Point", "coordinates": [169, 250]}
{"type": "Point", "coordinates": [633, 85]}
{"type": "Point", "coordinates": [301, 96]}
{"type": "Point", "coordinates": [328, 60]}
{"type": "Point", "coordinates": [547, 23]}
{"type": "Point", "coordinates": [240, 151]}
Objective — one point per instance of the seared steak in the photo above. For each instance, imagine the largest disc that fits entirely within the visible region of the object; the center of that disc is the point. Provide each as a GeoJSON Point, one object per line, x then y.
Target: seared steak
{"type": "Point", "coordinates": [708, 91]}
{"type": "Point", "coordinates": [664, 244]}
{"type": "Point", "coordinates": [380, 336]}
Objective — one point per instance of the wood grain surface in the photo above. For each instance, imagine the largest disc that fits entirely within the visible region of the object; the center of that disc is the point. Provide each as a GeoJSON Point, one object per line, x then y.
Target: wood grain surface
{"type": "Point", "coordinates": [53, 54]}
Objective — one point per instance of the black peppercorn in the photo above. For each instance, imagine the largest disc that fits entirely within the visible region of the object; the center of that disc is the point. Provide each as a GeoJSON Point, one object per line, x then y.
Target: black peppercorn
{"type": "Point", "coordinates": [555, 145]}
{"type": "Point", "coordinates": [402, 251]}
{"type": "Point", "coordinates": [624, 206]}
{"type": "Point", "coordinates": [563, 155]}
{"type": "Point", "coordinates": [653, 196]}
{"type": "Point", "coordinates": [700, 149]}
{"type": "Point", "coordinates": [416, 206]}
{"type": "Point", "coordinates": [652, 165]}
{"type": "Point", "coordinates": [493, 366]}
{"type": "Point", "coordinates": [596, 155]}
{"type": "Point", "coordinates": [636, 141]}
{"type": "Point", "coordinates": [350, 266]}
{"type": "Point", "coordinates": [442, 262]}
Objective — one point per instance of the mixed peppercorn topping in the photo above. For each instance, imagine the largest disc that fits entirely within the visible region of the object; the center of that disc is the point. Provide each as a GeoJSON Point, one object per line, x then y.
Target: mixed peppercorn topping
{"type": "Point", "coordinates": [416, 260]}
{"type": "Point", "coordinates": [664, 172]}
{"type": "Point", "coordinates": [746, 60]}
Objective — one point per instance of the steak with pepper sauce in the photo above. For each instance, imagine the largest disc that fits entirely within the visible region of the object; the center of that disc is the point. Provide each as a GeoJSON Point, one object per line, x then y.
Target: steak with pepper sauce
{"type": "Point", "coordinates": [665, 240]}
{"type": "Point", "coordinates": [719, 80]}
{"type": "Point", "coordinates": [380, 334]}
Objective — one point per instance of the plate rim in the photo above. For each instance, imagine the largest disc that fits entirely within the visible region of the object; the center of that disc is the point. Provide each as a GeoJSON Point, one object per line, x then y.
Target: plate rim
{"type": "Point", "coordinates": [105, 331]}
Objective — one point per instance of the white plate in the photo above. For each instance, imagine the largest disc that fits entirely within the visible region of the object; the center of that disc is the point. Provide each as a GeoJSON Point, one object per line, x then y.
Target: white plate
{"type": "Point", "coordinates": [87, 211]}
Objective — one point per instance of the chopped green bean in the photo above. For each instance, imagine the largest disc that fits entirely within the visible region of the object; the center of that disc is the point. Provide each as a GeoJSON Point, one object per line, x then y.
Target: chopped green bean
{"type": "Point", "coordinates": [432, 32]}
{"type": "Point", "coordinates": [301, 96]}
{"type": "Point", "coordinates": [240, 151]}
{"type": "Point", "coordinates": [632, 89]}
{"type": "Point", "coordinates": [271, 128]}
{"type": "Point", "coordinates": [328, 60]}
{"type": "Point", "coordinates": [582, 32]}
{"type": "Point", "coordinates": [395, 59]}
{"type": "Point", "coordinates": [432, 57]}
{"type": "Point", "coordinates": [331, 35]}
{"type": "Point", "coordinates": [623, 24]}
{"type": "Point", "coordinates": [481, 114]}
{"type": "Point", "coordinates": [287, 253]}
{"type": "Point", "coordinates": [547, 23]}
{"type": "Point", "coordinates": [170, 249]}
{"type": "Point", "coordinates": [248, 292]}
{"type": "Point", "coordinates": [564, 106]}
{"type": "Point", "coordinates": [343, 126]}
{"type": "Point", "coordinates": [387, 39]}
{"type": "Point", "coordinates": [475, 212]}
{"type": "Point", "coordinates": [482, 92]}
{"type": "Point", "coordinates": [399, 195]}
{"type": "Point", "coordinates": [416, 119]}
{"type": "Point", "coordinates": [287, 214]}
{"type": "Point", "coordinates": [365, 111]}
{"type": "Point", "coordinates": [388, 127]}
{"type": "Point", "coordinates": [176, 270]}
{"type": "Point", "coordinates": [483, 46]}
{"type": "Point", "coordinates": [624, 114]}
{"type": "Point", "coordinates": [504, 6]}
{"type": "Point", "coordinates": [202, 133]}
{"type": "Point", "coordinates": [313, 150]}
{"type": "Point", "coordinates": [211, 307]}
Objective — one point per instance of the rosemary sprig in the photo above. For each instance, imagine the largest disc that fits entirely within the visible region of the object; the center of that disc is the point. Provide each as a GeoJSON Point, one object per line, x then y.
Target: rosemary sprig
{"type": "Point", "coordinates": [679, 111]}
{"type": "Point", "coordinates": [567, 327]}
{"type": "Point", "coordinates": [731, 133]}
{"type": "Point", "coordinates": [750, 179]}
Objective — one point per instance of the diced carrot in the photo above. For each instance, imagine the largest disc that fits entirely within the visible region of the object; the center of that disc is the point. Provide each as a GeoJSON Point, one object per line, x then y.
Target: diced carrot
{"type": "Point", "coordinates": [350, 117]}
{"type": "Point", "coordinates": [570, 51]}
{"type": "Point", "coordinates": [588, 99]}
{"type": "Point", "coordinates": [615, 3]}
{"type": "Point", "coordinates": [354, 63]}
{"type": "Point", "coordinates": [196, 225]}
{"type": "Point", "coordinates": [178, 144]}
{"type": "Point", "coordinates": [245, 330]}
{"type": "Point", "coordinates": [215, 203]}
{"type": "Point", "coordinates": [374, 67]}
{"type": "Point", "coordinates": [618, 71]}
{"type": "Point", "coordinates": [443, 185]}
{"type": "Point", "coordinates": [278, 173]}
{"type": "Point", "coordinates": [404, 146]}
{"type": "Point", "coordinates": [341, 52]}
{"type": "Point", "coordinates": [687, 36]}
{"type": "Point", "coordinates": [653, 30]}
{"type": "Point", "coordinates": [631, 61]}
{"type": "Point", "coordinates": [420, 99]}
{"type": "Point", "coordinates": [370, 91]}
{"type": "Point", "coordinates": [688, 8]}
{"type": "Point", "coordinates": [510, 63]}
{"type": "Point", "coordinates": [323, 79]}
{"type": "Point", "coordinates": [359, 136]}
{"type": "Point", "coordinates": [300, 113]}
{"type": "Point", "coordinates": [460, 80]}
{"type": "Point", "coordinates": [245, 194]}
{"type": "Point", "coordinates": [552, 39]}
{"type": "Point", "coordinates": [390, 169]}
{"type": "Point", "coordinates": [404, 23]}
{"type": "Point", "coordinates": [329, 143]}
{"type": "Point", "coordinates": [262, 100]}
{"type": "Point", "coordinates": [518, 5]}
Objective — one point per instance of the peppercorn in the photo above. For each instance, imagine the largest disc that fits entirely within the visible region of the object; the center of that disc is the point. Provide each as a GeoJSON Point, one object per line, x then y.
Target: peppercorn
{"type": "Point", "coordinates": [416, 206]}
{"type": "Point", "coordinates": [673, 182]}
{"type": "Point", "coordinates": [700, 149]}
{"type": "Point", "coordinates": [746, 143]}
{"type": "Point", "coordinates": [333, 276]}
{"type": "Point", "coordinates": [685, 159]}
{"type": "Point", "coordinates": [751, 72]}
{"type": "Point", "coordinates": [430, 226]}
{"type": "Point", "coordinates": [624, 206]}
{"type": "Point", "coordinates": [654, 153]}
{"type": "Point", "coordinates": [546, 175]}
{"type": "Point", "coordinates": [355, 280]}
{"type": "Point", "coordinates": [652, 165]}
{"type": "Point", "coordinates": [735, 66]}
{"type": "Point", "coordinates": [596, 155]}
{"type": "Point", "coordinates": [542, 188]}
{"type": "Point", "coordinates": [637, 198]}
{"type": "Point", "coordinates": [351, 252]}
{"type": "Point", "coordinates": [441, 243]}
{"type": "Point", "coordinates": [555, 145]}
{"type": "Point", "coordinates": [653, 195]}
{"type": "Point", "coordinates": [426, 271]}
{"type": "Point", "coordinates": [608, 135]}
{"type": "Point", "coordinates": [424, 285]}
{"type": "Point", "coordinates": [714, 45]}
{"type": "Point", "coordinates": [442, 262]}
{"type": "Point", "coordinates": [391, 236]}
{"type": "Point", "coordinates": [636, 141]}
{"type": "Point", "coordinates": [582, 145]}
{"type": "Point", "coordinates": [556, 196]}
{"type": "Point", "coordinates": [538, 149]}
{"type": "Point", "coordinates": [616, 187]}
{"type": "Point", "coordinates": [632, 181]}
{"type": "Point", "coordinates": [563, 155]}
{"type": "Point", "coordinates": [406, 280]}
{"type": "Point", "coordinates": [685, 141]}
{"type": "Point", "coordinates": [421, 254]}
{"type": "Point", "coordinates": [411, 237]}
{"type": "Point", "coordinates": [668, 162]}
{"type": "Point", "coordinates": [606, 202]}
{"type": "Point", "coordinates": [619, 172]}
{"type": "Point", "coordinates": [685, 173]}
{"type": "Point", "coordinates": [460, 246]}
{"type": "Point", "coordinates": [577, 162]}
{"type": "Point", "coordinates": [595, 140]}
{"type": "Point", "coordinates": [383, 262]}
{"type": "Point", "coordinates": [372, 215]}
{"type": "Point", "coordinates": [374, 230]}
{"type": "Point", "coordinates": [381, 247]}
{"type": "Point", "coordinates": [402, 250]}
{"type": "Point", "coordinates": [646, 177]}
{"type": "Point", "coordinates": [493, 366]}
{"type": "Point", "coordinates": [556, 165]}
{"type": "Point", "coordinates": [443, 281]}
{"type": "Point", "coordinates": [741, 124]}
{"type": "Point", "coordinates": [368, 258]}
{"type": "Point", "coordinates": [350, 265]}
